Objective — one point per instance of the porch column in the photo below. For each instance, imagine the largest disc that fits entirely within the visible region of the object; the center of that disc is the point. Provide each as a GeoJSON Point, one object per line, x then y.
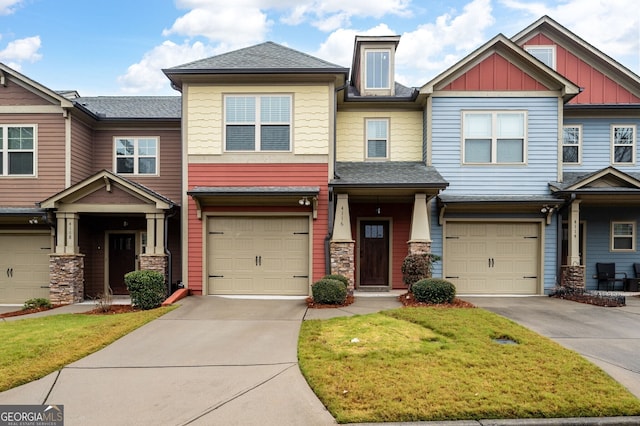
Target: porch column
{"type": "Point", "coordinates": [574, 234]}
{"type": "Point", "coordinates": [154, 258]}
{"type": "Point", "coordinates": [342, 243]}
{"type": "Point", "coordinates": [420, 235]}
{"type": "Point", "coordinates": [66, 264]}
{"type": "Point", "coordinates": [67, 233]}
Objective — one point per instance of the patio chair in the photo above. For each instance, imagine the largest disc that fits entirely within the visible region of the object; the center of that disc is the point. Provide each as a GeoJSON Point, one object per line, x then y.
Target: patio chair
{"type": "Point", "coordinates": [607, 275]}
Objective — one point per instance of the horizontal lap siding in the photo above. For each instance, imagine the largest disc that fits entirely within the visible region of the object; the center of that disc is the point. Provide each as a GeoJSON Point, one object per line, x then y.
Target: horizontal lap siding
{"type": "Point", "coordinates": [50, 179]}
{"type": "Point", "coordinates": [13, 94]}
{"type": "Point", "coordinates": [81, 151]}
{"type": "Point", "coordinates": [530, 178]}
{"type": "Point", "coordinates": [257, 175]}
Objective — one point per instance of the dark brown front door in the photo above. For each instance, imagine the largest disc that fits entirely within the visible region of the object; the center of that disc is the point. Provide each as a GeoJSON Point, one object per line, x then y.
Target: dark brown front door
{"type": "Point", "coordinates": [122, 259]}
{"type": "Point", "coordinates": [374, 253]}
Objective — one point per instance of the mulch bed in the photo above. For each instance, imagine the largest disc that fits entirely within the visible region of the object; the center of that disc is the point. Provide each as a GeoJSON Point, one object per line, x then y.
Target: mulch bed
{"type": "Point", "coordinates": [113, 309]}
{"type": "Point", "coordinates": [594, 299]}
{"type": "Point", "coordinates": [311, 304]}
{"type": "Point", "coordinates": [27, 311]}
{"type": "Point", "coordinates": [408, 300]}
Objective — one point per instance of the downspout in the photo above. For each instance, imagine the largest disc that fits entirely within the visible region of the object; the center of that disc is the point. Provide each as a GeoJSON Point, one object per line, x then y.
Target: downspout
{"type": "Point", "coordinates": [167, 251]}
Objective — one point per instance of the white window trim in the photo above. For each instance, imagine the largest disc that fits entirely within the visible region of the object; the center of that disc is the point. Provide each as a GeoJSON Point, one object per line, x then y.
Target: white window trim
{"type": "Point", "coordinates": [135, 156]}
{"type": "Point", "coordinates": [633, 144]}
{"type": "Point", "coordinates": [552, 47]}
{"type": "Point", "coordinates": [366, 139]}
{"type": "Point", "coordinates": [494, 138]}
{"type": "Point", "coordinates": [4, 152]}
{"type": "Point", "coordinates": [257, 124]}
{"type": "Point", "coordinates": [579, 127]}
{"type": "Point", "coordinates": [633, 235]}
{"type": "Point", "coordinates": [366, 81]}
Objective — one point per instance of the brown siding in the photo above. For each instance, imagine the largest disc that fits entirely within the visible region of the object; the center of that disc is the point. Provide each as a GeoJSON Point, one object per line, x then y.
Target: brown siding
{"type": "Point", "coordinates": [81, 151]}
{"type": "Point", "coordinates": [168, 183]}
{"type": "Point", "coordinates": [26, 191]}
{"type": "Point", "coordinates": [13, 94]}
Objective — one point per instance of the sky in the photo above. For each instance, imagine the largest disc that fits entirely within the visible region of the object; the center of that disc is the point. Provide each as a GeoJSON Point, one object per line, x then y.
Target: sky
{"type": "Point", "coordinates": [118, 47]}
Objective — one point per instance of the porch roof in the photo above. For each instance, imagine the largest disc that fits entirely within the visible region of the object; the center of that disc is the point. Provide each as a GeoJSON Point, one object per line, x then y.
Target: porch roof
{"type": "Point", "coordinates": [388, 174]}
{"type": "Point", "coordinates": [607, 181]}
{"type": "Point", "coordinates": [497, 199]}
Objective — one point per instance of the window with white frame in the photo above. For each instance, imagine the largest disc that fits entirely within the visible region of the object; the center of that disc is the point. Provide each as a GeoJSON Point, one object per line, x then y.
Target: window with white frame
{"type": "Point", "coordinates": [17, 150]}
{"type": "Point", "coordinates": [623, 144]}
{"type": "Point", "coordinates": [545, 54]}
{"type": "Point", "coordinates": [377, 138]}
{"type": "Point", "coordinates": [623, 236]}
{"type": "Point", "coordinates": [136, 155]}
{"type": "Point", "coordinates": [494, 137]}
{"type": "Point", "coordinates": [378, 69]}
{"type": "Point", "coordinates": [258, 123]}
{"type": "Point", "coordinates": [571, 144]}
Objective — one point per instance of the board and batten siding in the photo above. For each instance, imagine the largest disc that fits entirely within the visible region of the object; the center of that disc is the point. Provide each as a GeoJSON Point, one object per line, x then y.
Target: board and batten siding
{"type": "Point", "coordinates": [311, 116]}
{"type": "Point", "coordinates": [405, 134]}
{"type": "Point", "coordinates": [531, 178]}
{"type": "Point", "coordinates": [596, 143]}
{"type": "Point", "coordinates": [17, 191]}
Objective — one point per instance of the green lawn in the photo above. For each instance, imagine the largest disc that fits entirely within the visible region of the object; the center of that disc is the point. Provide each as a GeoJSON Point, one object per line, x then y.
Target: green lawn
{"type": "Point", "coordinates": [414, 364]}
{"type": "Point", "coordinates": [32, 348]}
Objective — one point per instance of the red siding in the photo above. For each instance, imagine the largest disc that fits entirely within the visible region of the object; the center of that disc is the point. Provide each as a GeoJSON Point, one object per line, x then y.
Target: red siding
{"type": "Point", "coordinates": [495, 73]}
{"type": "Point", "coordinates": [257, 175]}
{"type": "Point", "coordinates": [598, 88]}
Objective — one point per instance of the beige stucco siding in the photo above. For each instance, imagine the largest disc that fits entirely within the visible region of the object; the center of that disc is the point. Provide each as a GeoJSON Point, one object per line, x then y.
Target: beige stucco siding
{"type": "Point", "coordinates": [405, 134]}
{"type": "Point", "coordinates": [311, 117]}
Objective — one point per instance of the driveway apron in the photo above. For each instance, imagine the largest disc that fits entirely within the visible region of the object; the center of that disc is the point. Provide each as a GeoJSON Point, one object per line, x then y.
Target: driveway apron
{"type": "Point", "coordinates": [212, 361]}
{"type": "Point", "coordinates": [608, 337]}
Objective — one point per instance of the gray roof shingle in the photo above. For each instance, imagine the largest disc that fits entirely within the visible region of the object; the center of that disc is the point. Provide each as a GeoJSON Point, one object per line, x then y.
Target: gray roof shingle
{"type": "Point", "coordinates": [388, 174]}
{"type": "Point", "coordinates": [127, 107]}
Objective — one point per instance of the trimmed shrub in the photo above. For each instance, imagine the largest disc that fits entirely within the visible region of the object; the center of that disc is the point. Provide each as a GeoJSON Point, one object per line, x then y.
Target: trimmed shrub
{"type": "Point", "coordinates": [329, 292]}
{"type": "Point", "coordinates": [147, 288]}
{"type": "Point", "coordinates": [344, 280]}
{"type": "Point", "coordinates": [416, 267]}
{"type": "Point", "coordinates": [434, 290]}
{"type": "Point", "coordinates": [37, 304]}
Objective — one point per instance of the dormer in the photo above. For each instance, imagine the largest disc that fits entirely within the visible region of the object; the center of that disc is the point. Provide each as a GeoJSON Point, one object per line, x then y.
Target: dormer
{"type": "Point", "coordinates": [373, 67]}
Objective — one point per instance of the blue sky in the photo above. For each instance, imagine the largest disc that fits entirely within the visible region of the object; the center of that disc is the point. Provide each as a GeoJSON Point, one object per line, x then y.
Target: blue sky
{"type": "Point", "coordinates": [118, 47]}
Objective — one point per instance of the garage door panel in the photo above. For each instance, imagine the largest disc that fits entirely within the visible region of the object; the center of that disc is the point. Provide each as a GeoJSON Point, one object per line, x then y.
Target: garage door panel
{"type": "Point", "coordinates": [24, 267]}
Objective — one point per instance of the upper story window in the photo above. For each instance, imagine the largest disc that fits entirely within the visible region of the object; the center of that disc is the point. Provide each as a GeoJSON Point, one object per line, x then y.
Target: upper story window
{"type": "Point", "coordinates": [377, 138]}
{"type": "Point", "coordinates": [258, 123]}
{"type": "Point", "coordinates": [136, 155]}
{"type": "Point", "coordinates": [17, 150]}
{"type": "Point", "coordinates": [571, 144]}
{"type": "Point", "coordinates": [378, 69]}
{"type": "Point", "coordinates": [494, 137]}
{"type": "Point", "coordinates": [623, 144]}
{"type": "Point", "coordinates": [545, 54]}
{"type": "Point", "coordinates": [623, 236]}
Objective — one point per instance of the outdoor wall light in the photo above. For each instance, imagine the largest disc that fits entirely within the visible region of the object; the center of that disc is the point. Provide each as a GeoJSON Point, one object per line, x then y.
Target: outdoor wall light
{"type": "Point", "coordinates": [304, 201]}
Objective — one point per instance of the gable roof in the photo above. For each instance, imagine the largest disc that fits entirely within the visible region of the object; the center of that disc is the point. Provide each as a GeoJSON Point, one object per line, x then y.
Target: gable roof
{"type": "Point", "coordinates": [509, 50]}
{"type": "Point", "coordinates": [33, 86]}
{"type": "Point", "coordinates": [585, 51]}
{"type": "Point", "coordinates": [132, 107]}
{"type": "Point", "coordinates": [604, 181]}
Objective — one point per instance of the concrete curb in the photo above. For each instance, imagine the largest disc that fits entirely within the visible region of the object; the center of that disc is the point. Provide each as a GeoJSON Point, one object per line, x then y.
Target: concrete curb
{"type": "Point", "coordinates": [572, 421]}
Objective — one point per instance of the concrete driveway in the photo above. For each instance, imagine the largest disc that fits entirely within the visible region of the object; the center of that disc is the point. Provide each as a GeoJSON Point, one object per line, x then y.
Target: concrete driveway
{"type": "Point", "coordinates": [608, 337]}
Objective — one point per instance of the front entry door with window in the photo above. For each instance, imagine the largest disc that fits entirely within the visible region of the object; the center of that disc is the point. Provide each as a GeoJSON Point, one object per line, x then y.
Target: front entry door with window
{"type": "Point", "coordinates": [374, 253]}
{"type": "Point", "coordinates": [122, 259]}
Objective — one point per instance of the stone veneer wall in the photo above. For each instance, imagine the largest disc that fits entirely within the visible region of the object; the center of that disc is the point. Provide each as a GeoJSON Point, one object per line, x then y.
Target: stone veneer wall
{"type": "Point", "coordinates": [419, 247]}
{"type": "Point", "coordinates": [66, 274]}
{"type": "Point", "coordinates": [572, 276]}
{"type": "Point", "coordinates": [343, 260]}
{"type": "Point", "coordinates": [154, 262]}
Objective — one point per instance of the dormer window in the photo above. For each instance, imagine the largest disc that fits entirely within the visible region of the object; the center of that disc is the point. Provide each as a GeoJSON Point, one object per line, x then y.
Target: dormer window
{"type": "Point", "coordinates": [545, 54]}
{"type": "Point", "coordinates": [378, 66]}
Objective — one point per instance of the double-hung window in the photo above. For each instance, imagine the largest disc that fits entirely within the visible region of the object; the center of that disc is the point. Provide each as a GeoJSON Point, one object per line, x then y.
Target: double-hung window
{"type": "Point", "coordinates": [571, 144]}
{"type": "Point", "coordinates": [377, 138]}
{"type": "Point", "coordinates": [623, 144]}
{"type": "Point", "coordinates": [623, 236]}
{"type": "Point", "coordinates": [17, 150]}
{"type": "Point", "coordinates": [494, 137]}
{"type": "Point", "coordinates": [378, 69]}
{"type": "Point", "coordinates": [258, 123]}
{"type": "Point", "coordinates": [136, 155]}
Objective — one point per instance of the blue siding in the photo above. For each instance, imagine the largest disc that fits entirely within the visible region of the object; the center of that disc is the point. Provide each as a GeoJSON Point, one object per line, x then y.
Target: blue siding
{"type": "Point", "coordinates": [528, 179]}
{"type": "Point", "coordinates": [436, 240]}
{"type": "Point", "coordinates": [551, 278]}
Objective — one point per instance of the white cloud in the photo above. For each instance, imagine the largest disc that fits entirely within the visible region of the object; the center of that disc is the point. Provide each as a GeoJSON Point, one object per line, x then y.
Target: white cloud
{"type": "Point", "coordinates": [7, 7]}
{"type": "Point", "coordinates": [339, 45]}
{"type": "Point", "coordinates": [22, 50]}
{"type": "Point", "coordinates": [146, 76]}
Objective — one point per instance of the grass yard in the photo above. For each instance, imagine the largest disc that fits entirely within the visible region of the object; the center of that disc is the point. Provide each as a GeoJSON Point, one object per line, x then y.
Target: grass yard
{"type": "Point", "coordinates": [32, 348]}
{"type": "Point", "coordinates": [420, 364]}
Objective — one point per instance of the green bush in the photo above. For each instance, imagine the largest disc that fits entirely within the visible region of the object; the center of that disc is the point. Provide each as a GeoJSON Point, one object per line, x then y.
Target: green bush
{"type": "Point", "coordinates": [434, 290]}
{"type": "Point", "coordinates": [416, 267]}
{"type": "Point", "coordinates": [147, 288]}
{"type": "Point", "coordinates": [329, 292]}
{"type": "Point", "coordinates": [344, 280]}
{"type": "Point", "coordinates": [37, 304]}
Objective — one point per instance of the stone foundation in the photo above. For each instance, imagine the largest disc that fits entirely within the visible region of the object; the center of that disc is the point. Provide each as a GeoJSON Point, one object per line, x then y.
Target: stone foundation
{"type": "Point", "coordinates": [154, 262]}
{"type": "Point", "coordinates": [66, 278]}
{"type": "Point", "coordinates": [419, 247]}
{"type": "Point", "coordinates": [343, 260]}
{"type": "Point", "coordinates": [572, 277]}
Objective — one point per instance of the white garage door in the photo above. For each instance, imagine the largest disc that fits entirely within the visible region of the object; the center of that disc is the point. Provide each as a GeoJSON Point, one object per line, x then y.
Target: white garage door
{"type": "Point", "coordinates": [492, 258]}
{"type": "Point", "coordinates": [24, 267]}
{"type": "Point", "coordinates": [258, 255]}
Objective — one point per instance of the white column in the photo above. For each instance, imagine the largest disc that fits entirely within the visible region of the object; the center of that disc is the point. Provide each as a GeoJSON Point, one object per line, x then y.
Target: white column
{"type": "Point", "coordinates": [420, 227]}
{"type": "Point", "coordinates": [67, 233]}
{"type": "Point", "coordinates": [61, 234]}
{"type": "Point", "coordinates": [574, 234]}
{"type": "Point", "coordinates": [159, 234]}
{"type": "Point", "coordinates": [342, 220]}
{"type": "Point", "coordinates": [151, 233]}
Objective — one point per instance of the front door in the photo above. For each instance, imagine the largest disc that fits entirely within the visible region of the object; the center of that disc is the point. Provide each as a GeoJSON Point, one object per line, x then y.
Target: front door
{"type": "Point", "coordinates": [374, 253]}
{"type": "Point", "coordinates": [122, 259]}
